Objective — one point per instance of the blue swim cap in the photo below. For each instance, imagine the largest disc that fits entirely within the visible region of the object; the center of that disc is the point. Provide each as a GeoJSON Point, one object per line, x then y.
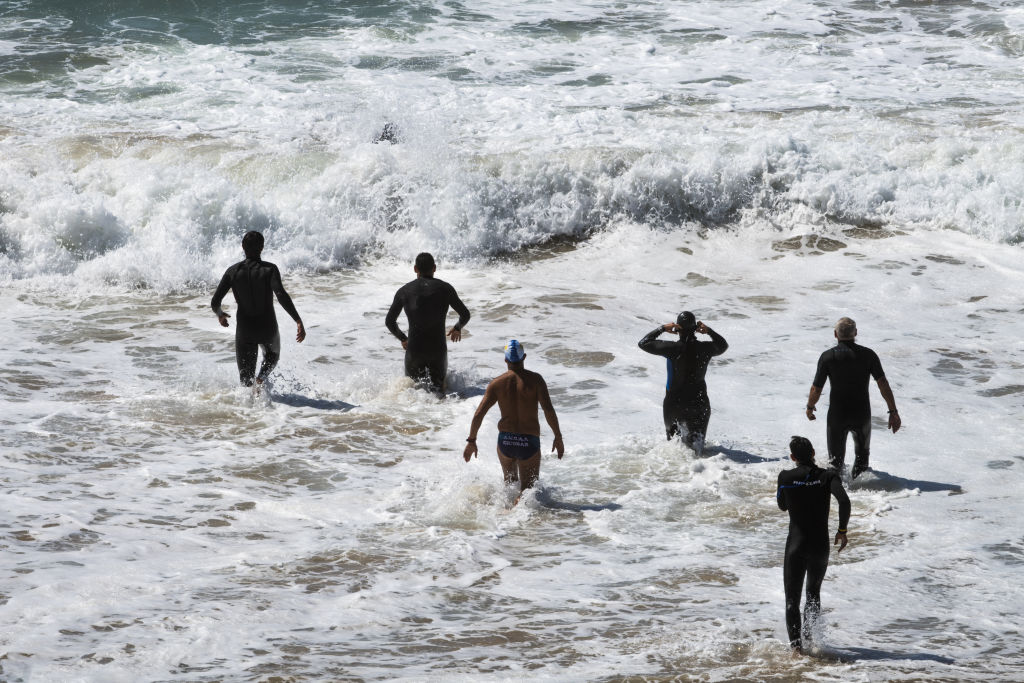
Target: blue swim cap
{"type": "Point", "coordinates": [514, 352]}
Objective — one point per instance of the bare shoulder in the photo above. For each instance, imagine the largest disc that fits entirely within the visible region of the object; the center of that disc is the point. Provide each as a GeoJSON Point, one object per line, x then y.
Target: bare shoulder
{"type": "Point", "coordinates": [501, 380]}
{"type": "Point", "coordinates": [533, 378]}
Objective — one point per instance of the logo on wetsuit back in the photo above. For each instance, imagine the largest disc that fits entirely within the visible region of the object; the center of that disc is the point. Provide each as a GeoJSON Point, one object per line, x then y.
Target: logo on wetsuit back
{"type": "Point", "coordinates": [795, 484]}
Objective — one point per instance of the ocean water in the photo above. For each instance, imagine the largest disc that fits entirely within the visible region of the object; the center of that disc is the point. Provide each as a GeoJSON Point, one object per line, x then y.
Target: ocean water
{"type": "Point", "coordinates": [583, 171]}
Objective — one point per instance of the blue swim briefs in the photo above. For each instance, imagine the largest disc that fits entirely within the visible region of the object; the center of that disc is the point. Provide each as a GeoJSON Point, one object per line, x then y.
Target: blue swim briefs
{"type": "Point", "coordinates": [518, 446]}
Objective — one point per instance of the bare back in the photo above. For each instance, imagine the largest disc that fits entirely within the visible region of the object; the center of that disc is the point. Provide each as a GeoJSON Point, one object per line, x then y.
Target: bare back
{"type": "Point", "coordinates": [518, 395]}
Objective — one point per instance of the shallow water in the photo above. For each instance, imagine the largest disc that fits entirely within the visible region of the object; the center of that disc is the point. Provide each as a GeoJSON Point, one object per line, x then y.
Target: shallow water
{"type": "Point", "coordinates": [332, 530]}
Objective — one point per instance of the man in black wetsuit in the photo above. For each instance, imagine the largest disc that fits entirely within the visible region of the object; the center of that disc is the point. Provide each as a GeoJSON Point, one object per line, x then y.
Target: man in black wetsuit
{"type": "Point", "coordinates": [425, 301]}
{"type": "Point", "coordinates": [686, 407]}
{"type": "Point", "coordinates": [805, 492]}
{"type": "Point", "coordinates": [254, 283]}
{"type": "Point", "coordinates": [849, 366]}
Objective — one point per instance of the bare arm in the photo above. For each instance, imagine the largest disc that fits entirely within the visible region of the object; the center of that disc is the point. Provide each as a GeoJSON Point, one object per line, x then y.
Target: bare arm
{"type": "Point", "coordinates": [894, 417]}
{"type": "Point", "coordinates": [486, 402]}
{"type": "Point", "coordinates": [812, 400]}
{"type": "Point", "coordinates": [549, 414]}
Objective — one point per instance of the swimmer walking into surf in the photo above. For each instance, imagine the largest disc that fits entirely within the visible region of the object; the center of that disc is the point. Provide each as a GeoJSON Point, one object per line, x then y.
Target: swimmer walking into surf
{"type": "Point", "coordinates": [254, 283]}
{"type": "Point", "coordinates": [518, 393]}
{"type": "Point", "coordinates": [848, 366]}
{"type": "Point", "coordinates": [686, 408]}
{"type": "Point", "coordinates": [425, 301]}
{"type": "Point", "coordinates": [805, 492]}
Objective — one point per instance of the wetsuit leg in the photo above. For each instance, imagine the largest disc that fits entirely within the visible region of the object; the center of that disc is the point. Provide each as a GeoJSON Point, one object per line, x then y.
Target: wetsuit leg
{"type": "Point", "coordinates": [432, 366]}
{"type": "Point", "coordinates": [271, 354]}
{"type": "Point", "coordinates": [675, 411]}
{"type": "Point", "coordinates": [671, 412]}
{"type": "Point", "coordinates": [688, 417]}
{"type": "Point", "coordinates": [793, 570]}
{"type": "Point", "coordinates": [810, 560]}
{"type": "Point", "coordinates": [671, 429]}
{"type": "Point", "coordinates": [835, 438]}
{"type": "Point", "coordinates": [816, 564]}
{"type": "Point", "coordinates": [414, 366]}
{"type": "Point", "coordinates": [437, 371]}
{"type": "Point", "coordinates": [698, 416]}
{"type": "Point", "coordinates": [245, 358]}
{"type": "Point", "coordinates": [861, 447]}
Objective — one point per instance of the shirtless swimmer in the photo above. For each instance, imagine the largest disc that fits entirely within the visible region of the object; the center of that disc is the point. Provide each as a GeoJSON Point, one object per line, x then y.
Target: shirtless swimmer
{"type": "Point", "coordinates": [518, 393]}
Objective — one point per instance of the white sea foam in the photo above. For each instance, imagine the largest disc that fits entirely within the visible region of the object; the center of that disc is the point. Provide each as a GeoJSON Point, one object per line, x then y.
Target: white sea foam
{"type": "Point", "coordinates": [770, 167]}
{"type": "Point", "coordinates": [550, 127]}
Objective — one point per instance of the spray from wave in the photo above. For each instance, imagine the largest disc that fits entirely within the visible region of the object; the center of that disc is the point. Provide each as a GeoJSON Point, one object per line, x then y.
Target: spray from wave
{"type": "Point", "coordinates": [167, 213]}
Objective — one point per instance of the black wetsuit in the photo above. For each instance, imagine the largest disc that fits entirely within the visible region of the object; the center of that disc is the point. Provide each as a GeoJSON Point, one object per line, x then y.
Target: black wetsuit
{"type": "Point", "coordinates": [425, 301]}
{"type": "Point", "coordinates": [686, 406]}
{"type": "Point", "coordinates": [848, 367]}
{"type": "Point", "coordinates": [805, 492]}
{"type": "Point", "coordinates": [254, 284]}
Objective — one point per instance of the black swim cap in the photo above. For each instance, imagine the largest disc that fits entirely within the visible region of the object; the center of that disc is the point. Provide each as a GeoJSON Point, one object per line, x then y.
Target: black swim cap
{"type": "Point", "coordinates": [800, 447]}
{"type": "Point", "coordinates": [687, 321]}
{"type": "Point", "coordinates": [252, 244]}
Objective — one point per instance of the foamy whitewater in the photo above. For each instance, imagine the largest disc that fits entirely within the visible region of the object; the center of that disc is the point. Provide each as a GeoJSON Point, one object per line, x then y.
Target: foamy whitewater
{"type": "Point", "coordinates": [583, 171]}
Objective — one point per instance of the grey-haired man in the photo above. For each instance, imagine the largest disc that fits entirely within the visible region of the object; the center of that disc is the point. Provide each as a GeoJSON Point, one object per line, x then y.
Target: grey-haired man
{"type": "Point", "coordinates": [849, 366]}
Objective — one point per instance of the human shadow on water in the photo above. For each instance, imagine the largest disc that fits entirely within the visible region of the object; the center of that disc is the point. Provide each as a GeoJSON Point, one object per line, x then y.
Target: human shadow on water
{"type": "Point", "coordinates": [544, 498]}
{"type": "Point", "coordinates": [299, 401]}
{"type": "Point", "coordinates": [877, 480]}
{"type": "Point", "coordinates": [848, 654]}
{"type": "Point", "coordinates": [469, 392]}
{"type": "Point", "coordinates": [742, 457]}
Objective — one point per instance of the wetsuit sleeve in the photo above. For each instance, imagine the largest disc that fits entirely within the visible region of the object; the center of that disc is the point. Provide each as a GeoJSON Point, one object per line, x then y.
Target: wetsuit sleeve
{"type": "Point", "coordinates": [651, 344]}
{"type": "Point", "coordinates": [392, 318]}
{"type": "Point", "coordinates": [455, 302]}
{"type": "Point", "coordinates": [779, 498]}
{"type": "Point", "coordinates": [221, 292]}
{"type": "Point", "coordinates": [282, 296]}
{"type": "Point", "coordinates": [822, 372]}
{"type": "Point", "coordinates": [718, 343]}
{"type": "Point", "coordinates": [844, 501]}
{"type": "Point", "coordinates": [876, 367]}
